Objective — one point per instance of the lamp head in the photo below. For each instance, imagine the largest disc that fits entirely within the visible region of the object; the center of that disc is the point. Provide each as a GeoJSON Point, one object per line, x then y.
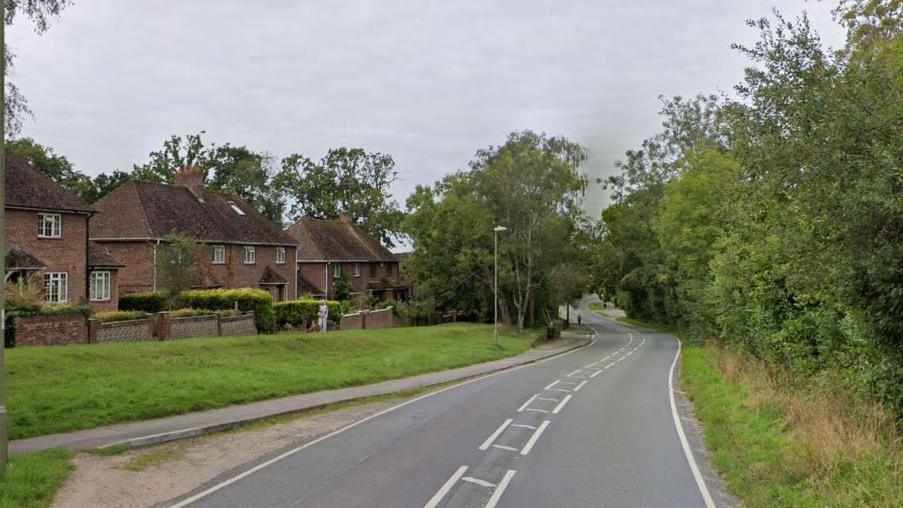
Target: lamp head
{"type": "Point", "coordinates": [499, 229]}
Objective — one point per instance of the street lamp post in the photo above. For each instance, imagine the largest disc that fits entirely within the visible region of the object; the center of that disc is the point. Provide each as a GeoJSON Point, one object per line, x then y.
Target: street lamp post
{"type": "Point", "coordinates": [3, 419]}
{"type": "Point", "coordinates": [495, 332]}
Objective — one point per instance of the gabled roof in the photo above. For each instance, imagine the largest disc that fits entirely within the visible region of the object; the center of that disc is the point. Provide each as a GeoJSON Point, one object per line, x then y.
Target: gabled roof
{"type": "Point", "coordinates": [270, 276]}
{"type": "Point", "coordinates": [27, 187]}
{"type": "Point", "coordinates": [336, 240]}
{"type": "Point", "coordinates": [141, 210]}
{"type": "Point", "coordinates": [305, 286]}
{"type": "Point", "coordinates": [20, 259]}
{"type": "Point", "coordinates": [100, 257]}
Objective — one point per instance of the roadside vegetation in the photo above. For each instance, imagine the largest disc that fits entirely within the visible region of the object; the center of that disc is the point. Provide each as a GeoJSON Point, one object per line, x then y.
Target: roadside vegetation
{"type": "Point", "coordinates": [779, 443]}
{"type": "Point", "coordinates": [31, 480]}
{"type": "Point", "coordinates": [111, 383]}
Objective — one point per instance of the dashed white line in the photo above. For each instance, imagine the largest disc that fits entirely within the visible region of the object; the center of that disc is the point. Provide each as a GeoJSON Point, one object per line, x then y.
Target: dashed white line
{"type": "Point", "coordinates": [561, 405]}
{"type": "Point", "coordinates": [503, 447]}
{"type": "Point", "coordinates": [572, 373]}
{"type": "Point", "coordinates": [492, 437]}
{"type": "Point", "coordinates": [443, 491]}
{"type": "Point", "coordinates": [497, 493]}
{"type": "Point", "coordinates": [481, 483]}
{"type": "Point", "coordinates": [547, 398]}
{"type": "Point", "coordinates": [525, 404]}
{"type": "Point", "coordinates": [578, 387]}
{"type": "Point", "coordinates": [523, 426]}
{"type": "Point", "coordinates": [536, 410]}
{"type": "Point", "coordinates": [594, 374]}
{"type": "Point", "coordinates": [553, 383]}
{"type": "Point", "coordinates": [534, 437]}
{"type": "Point", "coordinates": [558, 390]}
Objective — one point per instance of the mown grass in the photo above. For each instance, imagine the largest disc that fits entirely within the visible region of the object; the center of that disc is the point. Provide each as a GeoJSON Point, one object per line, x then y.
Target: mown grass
{"type": "Point", "coordinates": [32, 479]}
{"type": "Point", "coordinates": [778, 444]}
{"type": "Point", "coordinates": [59, 389]}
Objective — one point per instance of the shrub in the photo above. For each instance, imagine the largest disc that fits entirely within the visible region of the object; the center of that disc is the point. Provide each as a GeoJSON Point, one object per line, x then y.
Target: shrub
{"type": "Point", "coordinates": [120, 315]}
{"type": "Point", "coordinates": [190, 312]}
{"type": "Point", "coordinates": [149, 301]}
{"type": "Point", "coordinates": [245, 299]}
{"type": "Point", "coordinates": [302, 312]}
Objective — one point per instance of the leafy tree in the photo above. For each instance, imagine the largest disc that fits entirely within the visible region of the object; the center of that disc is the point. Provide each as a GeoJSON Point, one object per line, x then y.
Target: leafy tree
{"type": "Point", "coordinates": [342, 287]}
{"type": "Point", "coordinates": [345, 180]}
{"type": "Point", "coordinates": [105, 183]}
{"type": "Point", "coordinates": [178, 262]}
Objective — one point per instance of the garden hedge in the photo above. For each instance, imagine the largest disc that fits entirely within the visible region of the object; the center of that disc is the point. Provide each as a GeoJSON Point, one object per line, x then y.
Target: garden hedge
{"type": "Point", "coordinates": [247, 299]}
{"type": "Point", "coordinates": [303, 312]}
{"type": "Point", "coordinates": [149, 301]}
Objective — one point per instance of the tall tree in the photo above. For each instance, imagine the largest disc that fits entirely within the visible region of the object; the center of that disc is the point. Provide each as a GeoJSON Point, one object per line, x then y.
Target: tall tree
{"type": "Point", "coordinates": [345, 180]}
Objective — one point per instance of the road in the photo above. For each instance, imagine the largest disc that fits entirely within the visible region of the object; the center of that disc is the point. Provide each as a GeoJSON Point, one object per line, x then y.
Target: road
{"type": "Point", "coordinates": [593, 427]}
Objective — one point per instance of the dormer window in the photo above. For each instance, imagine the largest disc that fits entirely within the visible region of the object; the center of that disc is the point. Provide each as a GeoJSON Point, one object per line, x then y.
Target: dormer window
{"type": "Point", "coordinates": [235, 208]}
{"type": "Point", "coordinates": [50, 225]}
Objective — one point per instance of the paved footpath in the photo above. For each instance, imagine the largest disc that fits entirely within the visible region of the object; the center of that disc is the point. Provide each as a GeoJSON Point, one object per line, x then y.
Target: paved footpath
{"type": "Point", "coordinates": [601, 425]}
{"type": "Point", "coordinates": [204, 422]}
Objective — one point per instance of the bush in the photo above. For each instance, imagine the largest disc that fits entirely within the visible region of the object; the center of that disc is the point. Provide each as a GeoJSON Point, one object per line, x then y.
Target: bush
{"type": "Point", "coordinates": [189, 312]}
{"type": "Point", "coordinates": [120, 315]}
{"type": "Point", "coordinates": [303, 312]}
{"type": "Point", "coordinates": [247, 299]}
{"type": "Point", "coordinates": [149, 301]}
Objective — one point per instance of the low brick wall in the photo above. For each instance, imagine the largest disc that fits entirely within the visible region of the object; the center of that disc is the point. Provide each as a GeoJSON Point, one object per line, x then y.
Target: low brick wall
{"type": "Point", "coordinates": [238, 325]}
{"type": "Point", "coordinates": [352, 321]}
{"type": "Point", "coordinates": [135, 330]}
{"type": "Point", "coordinates": [379, 318]}
{"type": "Point", "coordinates": [51, 330]}
{"type": "Point", "coordinates": [195, 326]}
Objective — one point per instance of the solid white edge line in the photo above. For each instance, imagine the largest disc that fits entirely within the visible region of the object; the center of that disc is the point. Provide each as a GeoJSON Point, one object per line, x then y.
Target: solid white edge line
{"type": "Point", "coordinates": [534, 437]}
{"type": "Point", "coordinates": [240, 476]}
{"type": "Point", "coordinates": [497, 493]}
{"type": "Point", "coordinates": [443, 491]}
{"type": "Point", "coordinates": [577, 389]}
{"type": "Point", "coordinates": [697, 475]}
{"type": "Point", "coordinates": [525, 404]}
{"type": "Point", "coordinates": [561, 404]}
{"type": "Point", "coordinates": [492, 437]}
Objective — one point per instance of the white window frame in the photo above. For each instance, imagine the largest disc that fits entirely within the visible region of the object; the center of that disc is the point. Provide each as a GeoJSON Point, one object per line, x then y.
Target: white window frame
{"type": "Point", "coordinates": [56, 287]}
{"type": "Point", "coordinates": [356, 270]}
{"type": "Point", "coordinates": [101, 286]}
{"type": "Point", "coordinates": [280, 255]}
{"type": "Point", "coordinates": [250, 255]}
{"type": "Point", "coordinates": [55, 223]}
{"type": "Point", "coordinates": [336, 271]}
{"type": "Point", "coordinates": [219, 255]}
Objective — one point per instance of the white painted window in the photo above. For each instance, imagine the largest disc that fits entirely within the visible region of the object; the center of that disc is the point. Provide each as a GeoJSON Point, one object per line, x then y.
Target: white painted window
{"type": "Point", "coordinates": [100, 286]}
{"type": "Point", "coordinates": [280, 255]}
{"type": "Point", "coordinates": [357, 270]}
{"type": "Point", "coordinates": [250, 255]}
{"type": "Point", "coordinates": [337, 272]}
{"type": "Point", "coordinates": [56, 287]}
{"type": "Point", "coordinates": [50, 225]}
{"type": "Point", "coordinates": [219, 254]}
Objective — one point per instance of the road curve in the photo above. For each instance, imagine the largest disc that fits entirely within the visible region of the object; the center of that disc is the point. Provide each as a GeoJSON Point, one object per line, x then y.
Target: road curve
{"type": "Point", "coordinates": [593, 427]}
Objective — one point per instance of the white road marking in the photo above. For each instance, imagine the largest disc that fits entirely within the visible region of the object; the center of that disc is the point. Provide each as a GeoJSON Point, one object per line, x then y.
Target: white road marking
{"type": "Point", "coordinates": [577, 389]}
{"type": "Point", "coordinates": [558, 390]}
{"type": "Point", "coordinates": [697, 475]}
{"type": "Point", "coordinates": [497, 494]}
{"type": "Point", "coordinates": [492, 437]}
{"type": "Point", "coordinates": [503, 447]}
{"type": "Point", "coordinates": [561, 405]}
{"type": "Point", "coordinates": [590, 366]}
{"type": "Point", "coordinates": [536, 410]}
{"type": "Point", "coordinates": [525, 404]}
{"type": "Point", "coordinates": [481, 483]}
{"type": "Point", "coordinates": [572, 373]}
{"type": "Point", "coordinates": [546, 398]}
{"type": "Point", "coordinates": [568, 382]}
{"type": "Point", "coordinates": [594, 374]}
{"type": "Point", "coordinates": [534, 437]}
{"type": "Point", "coordinates": [443, 491]}
{"type": "Point", "coordinates": [553, 383]}
{"type": "Point", "coordinates": [523, 426]}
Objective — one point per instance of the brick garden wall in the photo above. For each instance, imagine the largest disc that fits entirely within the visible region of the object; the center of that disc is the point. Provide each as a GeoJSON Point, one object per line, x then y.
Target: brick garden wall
{"type": "Point", "coordinates": [136, 330]}
{"type": "Point", "coordinates": [351, 321]}
{"type": "Point", "coordinates": [51, 330]}
{"type": "Point", "coordinates": [367, 319]}
{"type": "Point", "coordinates": [238, 325]}
{"type": "Point", "coordinates": [379, 319]}
{"type": "Point", "coordinates": [196, 326]}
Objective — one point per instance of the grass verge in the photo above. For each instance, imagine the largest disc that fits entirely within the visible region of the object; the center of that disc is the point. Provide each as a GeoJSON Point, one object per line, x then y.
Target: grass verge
{"type": "Point", "coordinates": [32, 479]}
{"type": "Point", "coordinates": [777, 444]}
{"type": "Point", "coordinates": [76, 387]}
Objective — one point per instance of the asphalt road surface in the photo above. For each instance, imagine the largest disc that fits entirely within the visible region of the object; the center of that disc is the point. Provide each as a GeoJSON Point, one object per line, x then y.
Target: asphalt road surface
{"type": "Point", "coordinates": [593, 427]}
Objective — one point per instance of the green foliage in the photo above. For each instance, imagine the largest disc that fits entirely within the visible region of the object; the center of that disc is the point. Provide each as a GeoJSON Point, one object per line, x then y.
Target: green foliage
{"type": "Point", "coordinates": [32, 479]}
{"type": "Point", "coordinates": [190, 312]}
{"type": "Point", "coordinates": [246, 299]}
{"type": "Point", "coordinates": [300, 313]}
{"type": "Point", "coordinates": [119, 315]}
{"type": "Point", "coordinates": [149, 301]}
{"type": "Point", "coordinates": [178, 262]}
{"type": "Point", "coordinates": [342, 287]}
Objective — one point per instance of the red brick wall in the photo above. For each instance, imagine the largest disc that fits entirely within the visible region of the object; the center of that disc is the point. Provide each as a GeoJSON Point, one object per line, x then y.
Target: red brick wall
{"type": "Point", "coordinates": [51, 330]}
{"type": "Point", "coordinates": [313, 272]}
{"type": "Point", "coordinates": [138, 273]}
{"type": "Point", "coordinates": [64, 254]}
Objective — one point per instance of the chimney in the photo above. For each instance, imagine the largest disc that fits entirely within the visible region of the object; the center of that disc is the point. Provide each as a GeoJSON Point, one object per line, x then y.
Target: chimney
{"type": "Point", "coordinates": [191, 177]}
{"type": "Point", "coordinates": [345, 217]}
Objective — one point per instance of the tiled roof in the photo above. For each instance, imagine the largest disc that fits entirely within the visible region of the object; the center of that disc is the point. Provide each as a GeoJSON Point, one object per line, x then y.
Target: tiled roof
{"type": "Point", "coordinates": [332, 240]}
{"type": "Point", "coordinates": [100, 257]}
{"type": "Point", "coordinates": [20, 259]}
{"type": "Point", "coordinates": [269, 276]}
{"type": "Point", "coordinates": [27, 187]}
{"type": "Point", "coordinates": [305, 286]}
{"type": "Point", "coordinates": [140, 210]}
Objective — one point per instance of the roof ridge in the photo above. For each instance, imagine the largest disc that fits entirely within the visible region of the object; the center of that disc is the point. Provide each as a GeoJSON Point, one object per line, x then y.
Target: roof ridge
{"type": "Point", "coordinates": [141, 206]}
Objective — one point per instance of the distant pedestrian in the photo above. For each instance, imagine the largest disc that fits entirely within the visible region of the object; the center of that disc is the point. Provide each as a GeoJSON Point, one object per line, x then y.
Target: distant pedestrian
{"type": "Point", "coordinates": [579, 319]}
{"type": "Point", "coordinates": [324, 315]}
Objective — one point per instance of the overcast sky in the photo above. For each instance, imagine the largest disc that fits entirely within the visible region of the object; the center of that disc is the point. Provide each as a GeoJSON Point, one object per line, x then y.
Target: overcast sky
{"type": "Point", "coordinates": [427, 82]}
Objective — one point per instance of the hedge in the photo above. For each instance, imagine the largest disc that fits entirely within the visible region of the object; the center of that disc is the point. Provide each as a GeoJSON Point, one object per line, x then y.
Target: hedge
{"type": "Point", "coordinates": [149, 301]}
{"type": "Point", "coordinates": [247, 299]}
{"type": "Point", "coordinates": [304, 311]}
{"type": "Point", "coordinates": [9, 333]}
{"type": "Point", "coordinates": [120, 315]}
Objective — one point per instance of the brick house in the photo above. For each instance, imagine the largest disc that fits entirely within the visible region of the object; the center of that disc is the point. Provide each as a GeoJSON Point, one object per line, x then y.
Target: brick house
{"type": "Point", "coordinates": [239, 246]}
{"type": "Point", "coordinates": [47, 241]}
{"type": "Point", "coordinates": [327, 248]}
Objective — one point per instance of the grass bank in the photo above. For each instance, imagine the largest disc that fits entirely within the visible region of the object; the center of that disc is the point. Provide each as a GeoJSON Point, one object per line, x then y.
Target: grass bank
{"type": "Point", "coordinates": [598, 309]}
{"type": "Point", "coordinates": [32, 479]}
{"type": "Point", "coordinates": [58, 389]}
{"type": "Point", "coordinates": [781, 445]}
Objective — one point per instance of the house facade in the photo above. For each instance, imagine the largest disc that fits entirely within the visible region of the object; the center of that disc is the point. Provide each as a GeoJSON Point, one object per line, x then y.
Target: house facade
{"type": "Point", "coordinates": [329, 248]}
{"type": "Point", "coordinates": [239, 247]}
{"type": "Point", "coordinates": [47, 241]}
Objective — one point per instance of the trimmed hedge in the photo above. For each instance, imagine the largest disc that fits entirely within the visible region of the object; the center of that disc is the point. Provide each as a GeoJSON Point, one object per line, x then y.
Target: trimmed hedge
{"type": "Point", "coordinates": [303, 312]}
{"type": "Point", "coordinates": [120, 315]}
{"type": "Point", "coordinates": [191, 312]}
{"type": "Point", "coordinates": [247, 299]}
{"type": "Point", "coordinates": [149, 301]}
